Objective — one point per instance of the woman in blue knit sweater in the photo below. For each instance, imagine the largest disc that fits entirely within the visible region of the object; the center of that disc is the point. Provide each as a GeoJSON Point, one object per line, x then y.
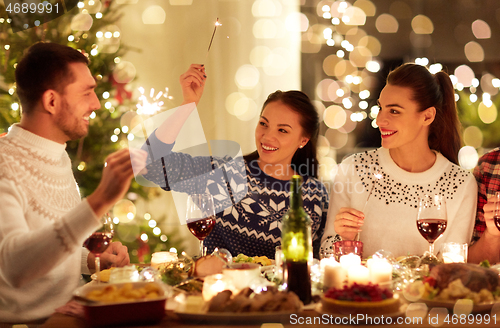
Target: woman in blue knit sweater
{"type": "Point", "coordinates": [251, 192]}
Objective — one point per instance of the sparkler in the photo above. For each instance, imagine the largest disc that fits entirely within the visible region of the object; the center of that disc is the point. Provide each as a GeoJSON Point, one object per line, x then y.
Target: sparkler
{"type": "Point", "coordinates": [377, 175]}
{"type": "Point", "coordinates": [150, 107]}
{"type": "Point", "coordinates": [213, 34]}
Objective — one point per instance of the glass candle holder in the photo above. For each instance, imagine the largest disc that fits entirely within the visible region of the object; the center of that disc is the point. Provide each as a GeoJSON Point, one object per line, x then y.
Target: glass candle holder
{"type": "Point", "coordinates": [454, 253]}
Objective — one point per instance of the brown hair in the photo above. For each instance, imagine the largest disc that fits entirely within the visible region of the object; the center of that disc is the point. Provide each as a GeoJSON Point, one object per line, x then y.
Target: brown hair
{"type": "Point", "coordinates": [309, 120]}
{"type": "Point", "coordinates": [433, 91]}
{"type": "Point", "coordinates": [43, 67]}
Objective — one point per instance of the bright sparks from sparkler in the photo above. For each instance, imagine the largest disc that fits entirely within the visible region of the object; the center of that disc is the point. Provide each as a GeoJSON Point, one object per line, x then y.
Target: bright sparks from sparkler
{"type": "Point", "coordinates": [152, 104]}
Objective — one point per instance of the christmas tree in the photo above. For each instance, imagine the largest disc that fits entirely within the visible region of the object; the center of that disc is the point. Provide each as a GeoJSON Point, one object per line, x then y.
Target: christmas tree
{"type": "Point", "coordinates": [90, 27]}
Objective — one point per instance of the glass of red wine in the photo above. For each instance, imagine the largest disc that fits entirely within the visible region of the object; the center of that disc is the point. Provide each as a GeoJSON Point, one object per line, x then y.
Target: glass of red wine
{"type": "Point", "coordinates": [200, 217]}
{"type": "Point", "coordinates": [99, 241]}
{"type": "Point", "coordinates": [432, 219]}
{"type": "Point", "coordinates": [496, 215]}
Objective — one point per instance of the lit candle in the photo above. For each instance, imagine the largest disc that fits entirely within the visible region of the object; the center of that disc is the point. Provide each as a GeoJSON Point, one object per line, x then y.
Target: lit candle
{"type": "Point", "coordinates": [450, 257]}
{"type": "Point", "coordinates": [160, 258]}
{"type": "Point", "coordinates": [454, 253]}
{"type": "Point", "coordinates": [358, 274]}
{"type": "Point", "coordinates": [380, 270]}
{"type": "Point", "coordinates": [213, 285]}
{"type": "Point", "coordinates": [334, 275]}
{"type": "Point", "coordinates": [348, 260]}
{"type": "Point", "coordinates": [296, 250]}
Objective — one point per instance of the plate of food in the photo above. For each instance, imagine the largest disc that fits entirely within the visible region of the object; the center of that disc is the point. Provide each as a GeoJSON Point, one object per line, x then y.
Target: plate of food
{"type": "Point", "coordinates": [244, 307]}
{"type": "Point", "coordinates": [461, 287]}
{"type": "Point", "coordinates": [362, 301]}
{"type": "Point", "coordinates": [265, 262]}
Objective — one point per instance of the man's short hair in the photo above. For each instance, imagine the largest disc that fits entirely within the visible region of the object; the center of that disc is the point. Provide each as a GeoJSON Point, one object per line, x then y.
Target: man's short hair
{"type": "Point", "coordinates": [44, 66]}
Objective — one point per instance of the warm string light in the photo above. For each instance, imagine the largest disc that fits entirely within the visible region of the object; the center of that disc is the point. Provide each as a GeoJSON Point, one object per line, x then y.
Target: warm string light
{"type": "Point", "coordinates": [213, 34]}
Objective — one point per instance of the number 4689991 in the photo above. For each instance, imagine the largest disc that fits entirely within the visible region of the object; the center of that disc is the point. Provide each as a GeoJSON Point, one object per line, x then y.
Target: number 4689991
{"type": "Point", "coordinates": [32, 8]}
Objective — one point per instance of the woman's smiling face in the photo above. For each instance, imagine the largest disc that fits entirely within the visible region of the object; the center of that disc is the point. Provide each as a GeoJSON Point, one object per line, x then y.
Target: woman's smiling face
{"type": "Point", "coordinates": [399, 121]}
{"type": "Point", "coordinates": [278, 134]}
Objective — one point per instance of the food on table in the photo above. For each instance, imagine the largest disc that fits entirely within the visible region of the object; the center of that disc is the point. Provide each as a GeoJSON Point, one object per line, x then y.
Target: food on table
{"type": "Point", "coordinates": [125, 293]}
{"type": "Point", "coordinates": [270, 300]}
{"type": "Point", "coordinates": [452, 281]}
{"type": "Point", "coordinates": [175, 272]}
{"type": "Point", "coordinates": [208, 265]}
{"type": "Point", "coordinates": [105, 274]}
{"type": "Point", "coordinates": [472, 276]}
{"type": "Point", "coordinates": [192, 286]}
{"type": "Point", "coordinates": [360, 299]}
{"type": "Point", "coordinates": [262, 260]}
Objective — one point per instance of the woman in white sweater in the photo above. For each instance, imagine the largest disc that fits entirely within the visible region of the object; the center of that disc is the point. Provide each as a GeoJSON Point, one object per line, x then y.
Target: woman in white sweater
{"type": "Point", "coordinates": [420, 133]}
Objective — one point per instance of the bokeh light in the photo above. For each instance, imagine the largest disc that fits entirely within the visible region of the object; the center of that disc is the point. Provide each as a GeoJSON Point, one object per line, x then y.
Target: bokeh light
{"type": "Point", "coordinates": [334, 117]}
{"type": "Point", "coordinates": [487, 114]}
{"type": "Point", "coordinates": [481, 29]}
{"type": "Point", "coordinates": [386, 23]}
{"type": "Point", "coordinates": [266, 8]}
{"type": "Point", "coordinates": [81, 22]}
{"type": "Point", "coordinates": [124, 210]}
{"type": "Point", "coordinates": [247, 76]}
{"type": "Point", "coordinates": [354, 16]}
{"type": "Point", "coordinates": [473, 137]}
{"type": "Point", "coordinates": [474, 52]}
{"type": "Point", "coordinates": [153, 15]}
{"type": "Point", "coordinates": [468, 157]}
{"type": "Point", "coordinates": [422, 24]}
{"type": "Point", "coordinates": [367, 6]}
{"type": "Point", "coordinates": [464, 75]}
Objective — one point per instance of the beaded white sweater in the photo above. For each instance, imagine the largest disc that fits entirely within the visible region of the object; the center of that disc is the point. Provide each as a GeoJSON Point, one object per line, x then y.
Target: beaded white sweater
{"type": "Point", "coordinates": [391, 210]}
{"type": "Point", "coordinates": [43, 224]}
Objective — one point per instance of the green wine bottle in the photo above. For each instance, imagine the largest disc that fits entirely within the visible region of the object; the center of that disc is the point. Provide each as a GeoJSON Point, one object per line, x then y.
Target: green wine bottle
{"type": "Point", "coordinates": [296, 244]}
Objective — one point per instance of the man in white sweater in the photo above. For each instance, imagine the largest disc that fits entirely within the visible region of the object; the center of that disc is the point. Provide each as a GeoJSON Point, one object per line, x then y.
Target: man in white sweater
{"type": "Point", "coordinates": [43, 221]}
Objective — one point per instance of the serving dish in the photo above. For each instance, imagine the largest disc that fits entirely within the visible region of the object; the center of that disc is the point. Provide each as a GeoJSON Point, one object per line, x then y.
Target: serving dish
{"type": "Point", "coordinates": [99, 314]}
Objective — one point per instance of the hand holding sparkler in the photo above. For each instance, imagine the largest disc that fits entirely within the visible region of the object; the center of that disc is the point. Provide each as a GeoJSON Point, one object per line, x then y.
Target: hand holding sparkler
{"type": "Point", "coordinates": [193, 83]}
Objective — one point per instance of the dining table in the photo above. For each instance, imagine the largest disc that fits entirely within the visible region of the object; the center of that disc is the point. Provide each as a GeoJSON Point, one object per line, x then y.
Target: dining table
{"type": "Point", "coordinates": [306, 318]}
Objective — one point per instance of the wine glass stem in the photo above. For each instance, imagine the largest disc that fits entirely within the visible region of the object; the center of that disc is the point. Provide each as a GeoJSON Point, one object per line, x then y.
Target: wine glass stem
{"type": "Point", "coordinates": [431, 248]}
{"type": "Point", "coordinates": [201, 248]}
{"type": "Point", "coordinates": [98, 268]}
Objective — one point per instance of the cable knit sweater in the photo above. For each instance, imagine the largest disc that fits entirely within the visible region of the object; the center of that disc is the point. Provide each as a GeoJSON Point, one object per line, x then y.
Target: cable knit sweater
{"type": "Point", "coordinates": [391, 211]}
{"type": "Point", "coordinates": [43, 224]}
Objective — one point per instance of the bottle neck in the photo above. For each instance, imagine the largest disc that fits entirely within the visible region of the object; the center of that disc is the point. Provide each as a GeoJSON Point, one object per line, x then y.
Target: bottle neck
{"type": "Point", "coordinates": [295, 193]}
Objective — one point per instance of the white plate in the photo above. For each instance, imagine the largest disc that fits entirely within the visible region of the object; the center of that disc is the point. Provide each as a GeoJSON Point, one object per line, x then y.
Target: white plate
{"type": "Point", "coordinates": [477, 307]}
{"type": "Point", "coordinates": [400, 313]}
{"type": "Point", "coordinates": [240, 318]}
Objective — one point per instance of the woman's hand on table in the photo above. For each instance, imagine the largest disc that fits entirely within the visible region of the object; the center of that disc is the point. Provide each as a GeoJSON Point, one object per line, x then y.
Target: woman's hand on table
{"type": "Point", "coordinates": [348, 222]}
{"type": "Point", "coordinates": [115, 255]}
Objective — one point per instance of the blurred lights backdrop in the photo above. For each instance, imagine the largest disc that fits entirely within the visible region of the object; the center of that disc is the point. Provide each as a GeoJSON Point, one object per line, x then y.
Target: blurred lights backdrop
{"type": "Point", "coordinates": [338, 52]}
